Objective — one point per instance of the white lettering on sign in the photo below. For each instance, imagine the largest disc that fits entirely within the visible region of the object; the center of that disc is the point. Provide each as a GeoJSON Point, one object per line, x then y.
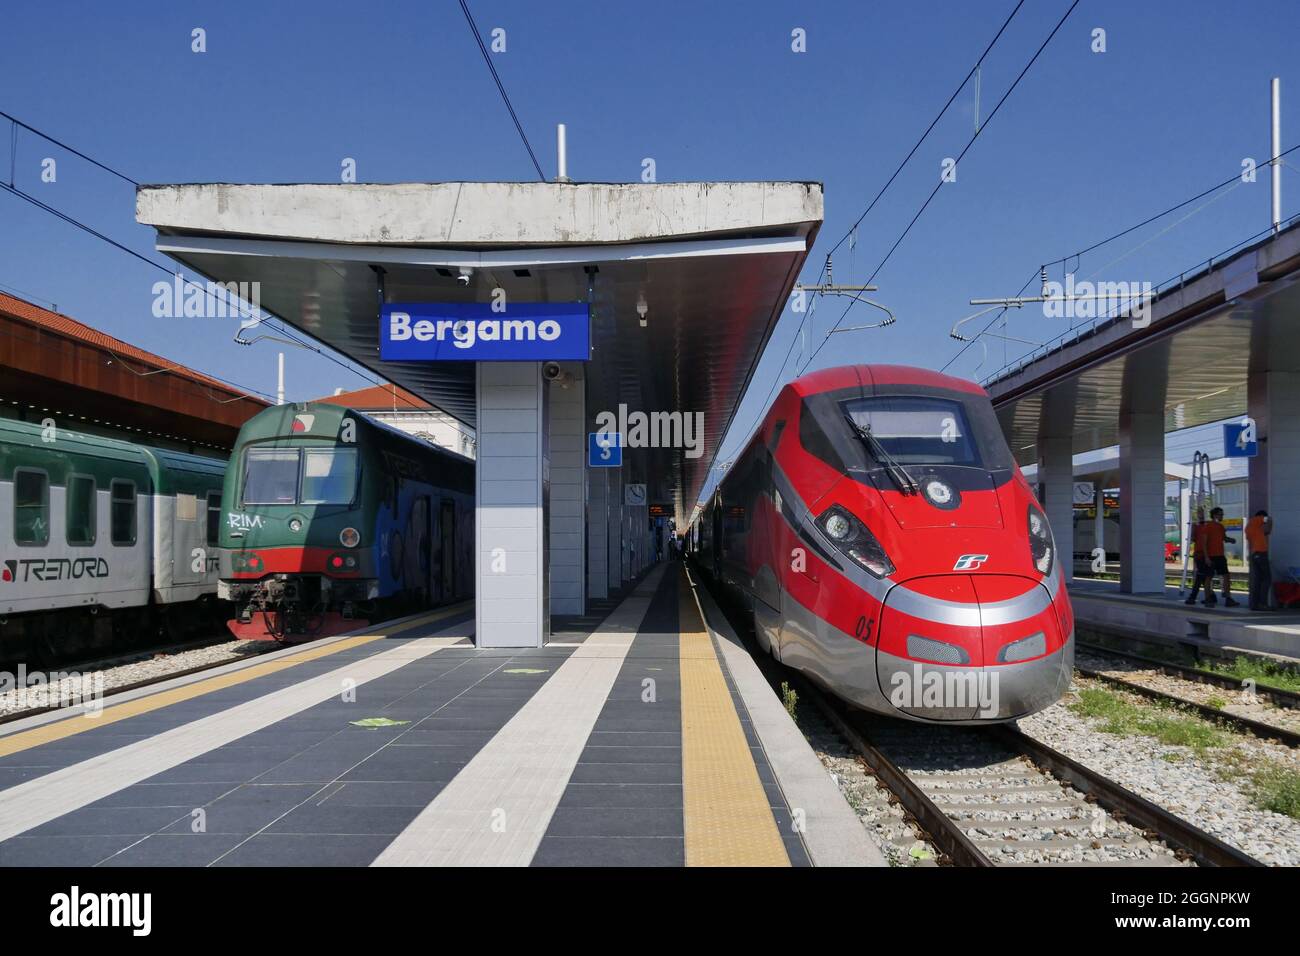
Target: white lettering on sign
{"type": "Point", "coordinates": [465, 332]}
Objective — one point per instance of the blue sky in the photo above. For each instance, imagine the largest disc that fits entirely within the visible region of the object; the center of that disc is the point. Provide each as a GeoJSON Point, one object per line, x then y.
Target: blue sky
{"type": "Point", "coordinates": [1087, 144]}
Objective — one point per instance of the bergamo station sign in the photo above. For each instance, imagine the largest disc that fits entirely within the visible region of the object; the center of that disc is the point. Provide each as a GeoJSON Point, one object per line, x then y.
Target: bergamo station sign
{"type": "Point", "coordinates": [484, 332]}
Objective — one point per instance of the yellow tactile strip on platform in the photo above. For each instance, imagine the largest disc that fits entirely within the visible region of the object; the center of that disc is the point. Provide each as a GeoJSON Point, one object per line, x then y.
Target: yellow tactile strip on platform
{"type": "Point", "coordinates": [727, 816]}
{"type": "Point", "coordinates": [24, 740]}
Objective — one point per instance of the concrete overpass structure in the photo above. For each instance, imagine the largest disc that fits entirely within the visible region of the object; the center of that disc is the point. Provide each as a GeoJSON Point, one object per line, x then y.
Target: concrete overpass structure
{"type": "Point", "coordinates": [1221, 343]}
{"type": "Point", "coordinates": [684, 282]}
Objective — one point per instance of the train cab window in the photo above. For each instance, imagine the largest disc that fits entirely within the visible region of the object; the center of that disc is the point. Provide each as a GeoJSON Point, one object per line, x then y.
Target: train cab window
{"type": "Point", "coordinates": [214, 517]}
{"type": "Point", "coordinates": [917, 429]}
{"type": "Point", "coordinates": [79, 510]}
{"type": "Point", "coordinates": [122, 512]}
{"type": "Point", "coordinates": [271, 476]}
{"type": "Point", "coordinates": [329, 476]}
{"type": "Point", "coordinates": [31, 507]}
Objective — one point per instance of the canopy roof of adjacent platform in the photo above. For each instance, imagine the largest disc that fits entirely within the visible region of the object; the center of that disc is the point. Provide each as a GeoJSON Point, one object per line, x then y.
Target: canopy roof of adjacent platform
{"type": "Point", "coordinates": [1207, 332]}
{"type": "Point", "coordinates": [714, 263]}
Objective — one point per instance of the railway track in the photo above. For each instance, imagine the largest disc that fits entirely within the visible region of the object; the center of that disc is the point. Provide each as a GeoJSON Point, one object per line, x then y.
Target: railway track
{"type": "Point", "coordinates": [996, 797]}
{"type": "Point", "coordinates": [1262, 729]}
{"type": "Point", "coordinates": [1275, 695]}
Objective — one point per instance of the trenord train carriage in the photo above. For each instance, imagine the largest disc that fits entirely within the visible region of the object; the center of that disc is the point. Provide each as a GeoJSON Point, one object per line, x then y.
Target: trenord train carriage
{"type": "Point", "coordinates": [102, 542]}
{"type": "Point", "coordinates": [333, 519]}
{"type": "Point", "coordinates": [882, 534]}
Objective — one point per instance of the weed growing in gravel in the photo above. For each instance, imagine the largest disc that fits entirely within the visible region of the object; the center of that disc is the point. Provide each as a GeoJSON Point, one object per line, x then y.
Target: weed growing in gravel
{"type": "Point", "coordinates": [790, 699]}
{"type": "Point", "coordinates": [1166, 724]}
{"type": "Point", "coordinates": [1262, 672]}
{"type": "Point", "coordinates": [1277, 788]}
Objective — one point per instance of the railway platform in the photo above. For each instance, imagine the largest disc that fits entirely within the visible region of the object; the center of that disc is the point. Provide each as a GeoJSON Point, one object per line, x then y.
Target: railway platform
{"type": "Point", "coordinates": [637, 735]}
{"type": "Point", "coordinates": [1101, 604]}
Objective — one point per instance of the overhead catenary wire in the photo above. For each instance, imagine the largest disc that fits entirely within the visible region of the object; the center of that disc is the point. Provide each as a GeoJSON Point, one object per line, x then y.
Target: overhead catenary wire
{"type": "Point", "coordinates": [1232, 182]}
{"type": "Point", "coordinates": [798, 336]}
{"type": "Point", "coordinates": [73, 221]}
{"type": "Point", "coordinates": [939, 185]}
{"type": "Point", "coordinates": [505, 97]}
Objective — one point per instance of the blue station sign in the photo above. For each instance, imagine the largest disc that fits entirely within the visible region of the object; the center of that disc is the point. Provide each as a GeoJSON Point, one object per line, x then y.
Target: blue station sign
{"type": "Point", "coordinates": [604, 450]}
{"type": "Point", "coordinates": [1239, 440]}
{"type": "Point", "coordinates": [476, 332]}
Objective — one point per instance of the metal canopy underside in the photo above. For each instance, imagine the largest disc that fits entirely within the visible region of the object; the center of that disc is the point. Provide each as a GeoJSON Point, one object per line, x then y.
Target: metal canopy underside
{"type": "Point", "coordinates": [712, 297]}
{"type": "Point", "coordinates": [1194, 360]}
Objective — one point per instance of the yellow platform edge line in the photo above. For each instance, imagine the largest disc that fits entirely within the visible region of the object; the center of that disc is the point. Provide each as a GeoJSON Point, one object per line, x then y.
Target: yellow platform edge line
{"type": "Point", "coordinates": [728, 820]}
{"type": "Point", "coordinates": [80, 723]}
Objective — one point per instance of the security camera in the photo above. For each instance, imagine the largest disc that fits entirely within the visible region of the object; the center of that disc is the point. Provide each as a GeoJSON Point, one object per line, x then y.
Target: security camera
{"type": "Point", "coordinates": [551, 372]}
{"type": "Point", "coordinates": [463, 278]}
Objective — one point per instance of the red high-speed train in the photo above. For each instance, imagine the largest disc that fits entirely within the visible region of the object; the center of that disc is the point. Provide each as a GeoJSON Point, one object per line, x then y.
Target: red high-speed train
{"type": "Point", "coordinates": [889, 547]}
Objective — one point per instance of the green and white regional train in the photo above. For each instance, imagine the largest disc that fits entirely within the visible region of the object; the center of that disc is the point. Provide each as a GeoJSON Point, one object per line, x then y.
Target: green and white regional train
{"type": "Point", "coordinates": [102, 542]}
{"type": "Point", "coordinates": [332, 518]}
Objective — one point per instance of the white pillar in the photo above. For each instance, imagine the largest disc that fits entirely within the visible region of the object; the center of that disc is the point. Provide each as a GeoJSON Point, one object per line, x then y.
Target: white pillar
{"type": "Point", "coordinates": [1099, 517]}
{"type": "Point", "coordinates": [1273, 401]}
{"type": "Point", "coordinates": [568, 452]}
{"type": "Point", "coordinates": [509, 526]}
{"type": "Point", "coordinates": [598, 533]}
{"type": "Point", "coordinates": [615, 542]}
{"type": "Point", "coordinates": [1056, 479]}
{"type": "Point", "coordinates": [1142, 501]}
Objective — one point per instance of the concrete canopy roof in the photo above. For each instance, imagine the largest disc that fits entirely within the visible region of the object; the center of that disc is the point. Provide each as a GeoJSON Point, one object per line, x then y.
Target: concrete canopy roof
{"type": "Point", "coordinates": [714, 262]}
{"type": "Point", "coordinates": [1194, 358]}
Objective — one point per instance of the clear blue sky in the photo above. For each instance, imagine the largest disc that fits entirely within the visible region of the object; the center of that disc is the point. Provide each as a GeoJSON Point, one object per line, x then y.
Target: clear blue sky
{"type": "Point", "coordinates": [1087, 144]}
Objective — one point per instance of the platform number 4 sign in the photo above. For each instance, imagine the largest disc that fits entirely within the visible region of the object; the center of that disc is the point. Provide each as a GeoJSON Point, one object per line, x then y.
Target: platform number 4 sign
{"type": "Point", "coordinates": [1240, 440]}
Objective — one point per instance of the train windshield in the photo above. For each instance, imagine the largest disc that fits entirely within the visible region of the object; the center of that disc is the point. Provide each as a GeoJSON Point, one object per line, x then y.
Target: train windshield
{"type": "Point", "coordinates": [918, 430]}
{"type": "Point", "coordinates": [329, 476]}
{"type": "Point", "coordinates": [310, 476]}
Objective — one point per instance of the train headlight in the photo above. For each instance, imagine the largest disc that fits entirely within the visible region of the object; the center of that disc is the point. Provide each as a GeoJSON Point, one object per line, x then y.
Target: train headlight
{"type": "Point", "coordinates": [940, 494]}
{"type": "Point", "coordinates": [295, 525]}
{"type": "Point", "coordinates": [349, 537]}
{"type": "Point", "coordinates": [855, 540]}
{"type": "Point", "coordinates": [838, 527]}
{"type": "Point", "coordinates": [1042, 549]}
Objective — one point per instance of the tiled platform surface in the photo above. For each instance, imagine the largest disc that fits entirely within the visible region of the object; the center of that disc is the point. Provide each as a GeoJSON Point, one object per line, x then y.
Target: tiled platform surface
{"type": "Point", "coordinates": [1100, 603]}
{"type": "Point", "coordinates": [413, 747]}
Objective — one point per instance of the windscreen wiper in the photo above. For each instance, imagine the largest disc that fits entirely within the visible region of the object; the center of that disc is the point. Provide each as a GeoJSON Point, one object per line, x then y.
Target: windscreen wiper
{"type": "Point", "coordinates": [897, 473]}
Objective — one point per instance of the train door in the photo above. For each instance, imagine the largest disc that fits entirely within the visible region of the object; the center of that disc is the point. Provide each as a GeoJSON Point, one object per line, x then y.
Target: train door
{"type": "Point", "coordinates": [447, 548]}
{"type": "Point", "coordinates": [419, 545]}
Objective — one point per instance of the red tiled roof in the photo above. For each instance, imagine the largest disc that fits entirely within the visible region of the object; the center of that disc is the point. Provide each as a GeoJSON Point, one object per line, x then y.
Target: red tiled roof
{"type": "Point", "coordinates": [60, 324]}
{"type": "Point", "coordinates": [377, 398]}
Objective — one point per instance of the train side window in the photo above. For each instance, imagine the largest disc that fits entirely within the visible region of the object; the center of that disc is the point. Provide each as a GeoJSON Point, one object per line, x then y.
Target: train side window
{"type": "Point", "coordinates": [214, 517]}
{"type": "Point", "coordinates": [777, 430]}
{"type": "Point", "coordinates": [31, 507]}
{"type": "Point", "coordinates": [79, 511]}
{"type": "Point", "coordinates": [122, 516]}
{"type": "Point", "coordinates": [815, 441]}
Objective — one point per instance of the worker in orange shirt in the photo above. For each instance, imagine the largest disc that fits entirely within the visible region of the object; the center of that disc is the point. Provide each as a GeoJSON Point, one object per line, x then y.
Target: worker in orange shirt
{"type": "Point", "coordinates": [1215, 534]}
{"type": "Point", "coordinates": [1200, 563]}
{"type": "Point", "coordinates": [1261, 572]}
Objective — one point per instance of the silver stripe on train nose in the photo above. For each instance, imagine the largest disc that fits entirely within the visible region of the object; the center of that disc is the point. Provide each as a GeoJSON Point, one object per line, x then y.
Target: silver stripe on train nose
{"type": "Point", "coordinates": [955, 613]}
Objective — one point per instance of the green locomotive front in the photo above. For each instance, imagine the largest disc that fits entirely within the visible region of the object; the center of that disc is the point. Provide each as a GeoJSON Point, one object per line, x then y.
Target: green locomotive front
{"type": "Point", "coordinates": [333, 520]}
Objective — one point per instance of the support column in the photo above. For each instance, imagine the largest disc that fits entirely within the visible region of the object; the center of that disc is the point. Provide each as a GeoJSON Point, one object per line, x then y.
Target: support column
{"type": "Point", "coordinates": [1273, 401]}
{"type": "Point", "coordinates": [568, 448]}
{"type": "Point", "coordinates": [1142, 501]}
{"type": "Point", "coordinates": [598, 533]}
{"type": "Point", "coordinates": [1056, 479]}
{"type": "Point", "coordinates": [510, 506]}
{"type": "Point", "coordinates": [615, 542]}
{"type": "Point", "coordinates": [1099, 513]}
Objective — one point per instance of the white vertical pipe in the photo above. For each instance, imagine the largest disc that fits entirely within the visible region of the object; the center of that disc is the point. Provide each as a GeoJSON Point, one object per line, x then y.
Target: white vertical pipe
{"type": "Point", "coordinates": [562, 149]}
{"type": "Point", "coordinates": [1277, 151]}
{"type": "Point", "coordinates": [279, 384]}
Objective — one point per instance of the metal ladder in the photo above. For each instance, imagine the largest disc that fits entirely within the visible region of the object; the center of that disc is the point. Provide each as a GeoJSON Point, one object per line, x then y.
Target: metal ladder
{"type": "Point", "coordinates": [1200, 497]}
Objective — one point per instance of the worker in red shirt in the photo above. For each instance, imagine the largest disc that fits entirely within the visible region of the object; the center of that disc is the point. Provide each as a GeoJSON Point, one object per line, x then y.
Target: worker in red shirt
{"type": "Point", "coordinates": [1215, 535]}
{"type": "Point", "coordinates": [1200, 563]}
{"type": "Point", "coordinates": [1261, 573]}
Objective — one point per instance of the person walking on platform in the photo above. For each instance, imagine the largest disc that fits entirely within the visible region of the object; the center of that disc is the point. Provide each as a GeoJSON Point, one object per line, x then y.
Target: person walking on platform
{"type": "Point", "coordinates": [1200, 563]}
{"type": "Point", "coordinates": [1214, 536]}
{"type": "Point", "coordinates": [1261, 572]}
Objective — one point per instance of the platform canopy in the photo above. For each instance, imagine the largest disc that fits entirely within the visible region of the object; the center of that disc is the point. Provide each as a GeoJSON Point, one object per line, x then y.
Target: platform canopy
{"type": "Point", "coordinates": [713, 262]}
{"type": "Point", "coordinates": [1208, 332]}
